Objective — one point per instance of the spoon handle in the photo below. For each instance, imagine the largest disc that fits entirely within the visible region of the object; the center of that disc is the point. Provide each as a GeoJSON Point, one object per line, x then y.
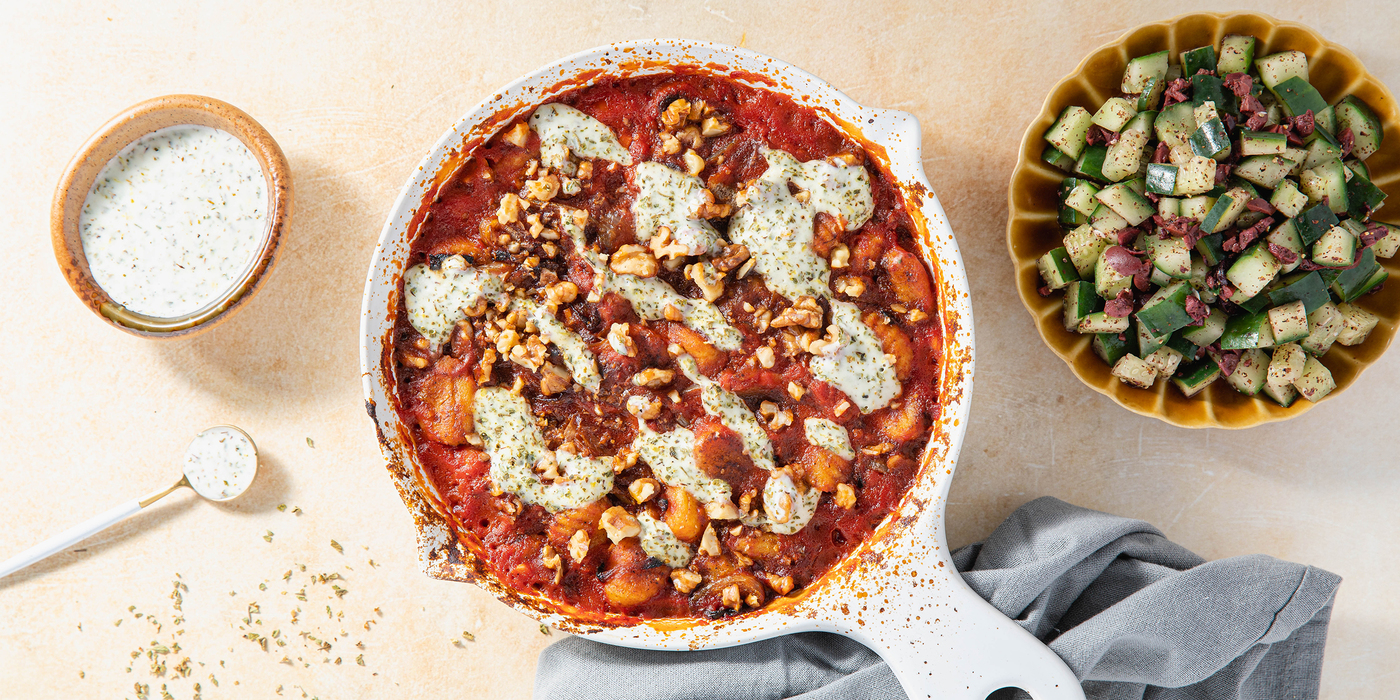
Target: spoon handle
{"type": "Point", "coordinates": [70, 537]}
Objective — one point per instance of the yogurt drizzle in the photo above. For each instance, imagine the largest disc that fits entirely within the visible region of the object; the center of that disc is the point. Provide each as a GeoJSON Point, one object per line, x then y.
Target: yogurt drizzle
{"type": "Point", "coordinates": [668, 197]}
{"type": "Point", "coordinates": [174, 220]}
{"type": "Point", "coordinates": [658, 541]}
{"type": "Point", "coordinates": [514, 442]}
{"type": "Point", "coordinates": [563, 129]}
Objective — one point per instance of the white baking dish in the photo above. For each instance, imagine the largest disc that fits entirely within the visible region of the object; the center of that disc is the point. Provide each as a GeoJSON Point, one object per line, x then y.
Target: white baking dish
{"type": "Point", "coordinates": [898, 592]}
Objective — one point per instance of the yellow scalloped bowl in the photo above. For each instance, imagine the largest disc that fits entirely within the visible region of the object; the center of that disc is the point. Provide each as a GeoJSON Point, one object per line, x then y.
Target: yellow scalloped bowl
{"type": "Point", "coordinates": [1032, 228]}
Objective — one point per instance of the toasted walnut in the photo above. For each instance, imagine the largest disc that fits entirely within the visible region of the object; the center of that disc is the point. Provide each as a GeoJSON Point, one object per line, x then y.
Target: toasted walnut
{"type": "Point", "coordinates": [509, 211]}
{"type": "Point", "coordinates": [916, 315]}
{"type": "Point", "coordinates": [841, 408]}
{"type": "Point", "coordinates": [675, 113]}
{"type": "Point", "coordinates": [643, 489]}
{"type": "Point", "coordinates": [530, 354]}
{"type": "Point", "coordinates": [762, 319]}
{"type": "Point", "coordinates": [585, 170]}
{"type": "Point", "coordinates": [805, 313]}
{"type": "Point", "coordinates": [578, 545]}
{"type": "Point", "coordinates": [670, 145]}
{"type": "Point", "coordinates": [553, 379]}
{"type": "Point", "coordinates": [633, 259]}
{"type": "Point", "coordinates": [698, 109]}
{"type": "Point", "coordinates": [709, 541]}
{"type": "Point", "coordinates": [644, 407]}
{"type": "Point", "coordinates": [714, 210]}
{"type": "Point", "coordinates": [848, 159]}
{"type": "Point", "coordinates": [518, 135]}
{"type": "Point", "coordinates": [551, 560]}
{"type": "Point", "coordinates": [685, 580]}
{"type": "Point", "coordinates": [619, 524]}
{"type": "Point", "coordinates": [620, 339]}
{"type": "Point", "coordinates": [653, 377]}
{"type": "Point", "coordinates": [803, 196]}
{"type": "Point", "coordinates": [782, 585]}
{"type": "Point", "coordinates": [828, 344]}
{"type": "Point", "coordinates": [532, 167]}
{"type": "Point", "coordinates": [795, 391]}
{"type": "Point", "coordinates": [671, 313]}
{"type": "Point", "coordinates": [840, 256]}
{"type": "Point", "coordinates": [731, 257]}
{"type": "Point", "coordinates": [547, 466]}
{"type": "Point", "coordinates": [850, 286]}
{"type": "Point", "coordinates": [412, 360]}
{"type": "Point", "coordinates": [746, 268]}
{"type": "Point", "coordinates": [561, 293]}
{"type": "Point", "coordinates": [730, 598]}
{"type": "Point", "coordinates": [570, 186]}
{"type": "Point", "coordinates": [624, 460]}
{"type": "Point", "coordinates": [765, 356]}
{"type": "Point", "coordinates": [709, 280]}
{"type": "Point", "coordinates": [664, 247]}
{"type": "Point", "coordinates": [694, 164]}
{"type": "Point", "coordinates": [483, 368]}
{"type": "Point", "coordinates": [768, 409]}
{"type": "Point", "coordinates": [780, 420]}
{"type": "Point", "coordinates": [690, 136]}
{"type": "Point", "coordinates": [721, 510]}
{"type": "Point", "coordinates": [543, 189]}
{"type": "Point", "coordinates": [506, 340]}
{"type": "Point", "coordinates": [845, 496]}
{"type": "Point", "coordinates": [713, 126]}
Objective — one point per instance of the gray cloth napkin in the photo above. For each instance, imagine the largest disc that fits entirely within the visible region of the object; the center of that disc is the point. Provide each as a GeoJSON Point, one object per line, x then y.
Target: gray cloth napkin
{"type": "Point", "coordinates": [1134, 616]}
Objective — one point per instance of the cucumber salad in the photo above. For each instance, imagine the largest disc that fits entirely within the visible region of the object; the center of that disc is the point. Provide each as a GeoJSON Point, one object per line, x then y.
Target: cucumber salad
{"type": "Point", "coordinates": [1218, 219]}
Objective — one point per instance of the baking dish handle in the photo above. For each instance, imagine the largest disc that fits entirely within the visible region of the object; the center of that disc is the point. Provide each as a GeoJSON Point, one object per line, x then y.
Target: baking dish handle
{"type": "Point", "coordinates": [960, 648]}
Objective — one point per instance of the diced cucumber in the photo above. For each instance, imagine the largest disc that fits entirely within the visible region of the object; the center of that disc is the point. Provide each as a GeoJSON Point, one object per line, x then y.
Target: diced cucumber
{"type": "Point", "coordinates": [1211, 140]}
{"type": "Point", "coordinates": [1080, 301]}
{"type": "Point", "coordinates": [1314, 222]}
{"type": "Point", "coordinates": [1193, 378]}
{"type": "Point", "coordinates": [1316, 381]}
{"type": "Point", "coordinates": [1137, 184]}
{"type": "Point", "coordinates": [1278, 67]}
{"type": "Point", "coordinates": [1197, 207]}
{"type": "Point", "coordinates": [1254, 269]}
{"type": "Point", "coordinates": [1259, 302]}
{"type": "Point", "coordinates": [1142, 121]}
{"type": "Point", "coordinates": [1236, 54]}
{"type": "Point", "coordinates": [1164, 359]}
{"type": "Point", "coordinates": [1326, 183]}
{"type": "Point", "coordinates": [1326, 323]}
{"type": "Point", "coordinates": [1198, 59]}
{"type": "Point", "coordinates": [1161, 179]}
{"type": "Point", "coordinates": [1327, 119]}
{"type": "Point", "coordinates": [1124, 156]}
{"type": "Point", "coordinates": [1107, 281]}
{"type": "Point", "coordinates": [1355, 114]}
{"type": "Point", "coordinates": [1287, 199]}
{"type": "Point", "coordinates": [1070, 218]}
{"type": "Point", "coordinates": [1286, 236]}
{"type": "Point", "coordinates": [1141, 69]}
{"type": "Point", "coordinates": [1211, 248]}
{"type": "Point", "coordinates": [1195, 177]}
{"type": "Point", "coordinates": [1363, 198]}
{"type": "Point", "coordinates": [1226, 210]}
{"type": "Point", "coordinates": [1208, 88]}
{"type": "Point", "coordinates": [1248, 331]}
{"type": "Point", "coordinates": [1204, 112]}
{"type": "Point", "coordinates": [1304, 287]}
{"type": "Point", "coordinates": [1187, 349]}
{"type": "Point", "coordinates": [1070, 132]}
{"type": "Point", "coordinates": [1298, 96]}
{"type": "Point", "coordinates": [1106, 221]}
{"type": "Point", "coordinates": [1109, 347]}
{"type": "Point", "coordinates": [1387, 246]}
{"type": "Point", "coordinates": [1287, 363]}
{"type": "Point", "coordinates": [1265, 171]}
{"type": "Point", "coordinates": [1282, 393]}
{"type": "Point", "coordinates": [1296, 156]}
{"type": "Point", "coordinates": [1165, 311]}
{"type": "Point", "coordinates": [1090, 163]}
{"type": "Point", "coordinates": [1158, 278]}
{"type": "Point", "coordinates": [1146, 342]}
{"type": "Point", "coordinates": [1133, 207]}
{"type": "Point", "coordinates": [1357, 323]}
{"type": "Point", "coordinates": [1100, 322]}
{"type": "Point", "coordinates": [1248, 377]}
{"type": "Point", "coordinates": [1169, 206]}
{"type": "Point", "coordinates": [1057, 269]}
{"type": "Point", "coordinates": [1367, 275]}
{"type": "Point", "coordinates": [1171, 255]}
{"type": "Point", "coordinates": [1259, 143]}
{"type": "Point", "coordinates": [1114, 113]}
{"type": "Point", "coordinates": [1336, 248]}
{"type": "Point", "coordinates": [1357, 167]}
{"type": "Point", "coordinates": [1134, 371]}
{"type": "Point", "coordinates": [1289, 322]}
{"type": "Point", "coordinates": [1084, 246]}
{"type": "Point", "coordinates": [1058, 158]}
{"type": "Point", "coordinates": [1175, 124]}
{"type": "Point", "coordinates": [1321, 151]}
{"type": "Point", "coordinates": [1078, 195]}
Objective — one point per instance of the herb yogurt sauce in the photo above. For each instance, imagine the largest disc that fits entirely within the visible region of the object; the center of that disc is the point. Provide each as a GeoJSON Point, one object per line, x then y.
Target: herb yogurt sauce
{"type": "Point", "coordinates": [220, 463]}
{"type": "Point", "coordinates": [174, 220]}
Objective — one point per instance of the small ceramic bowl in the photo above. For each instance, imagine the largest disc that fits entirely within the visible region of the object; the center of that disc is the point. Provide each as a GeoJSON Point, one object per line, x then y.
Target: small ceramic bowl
{"type": "Point", "coordinates": [127, 127]}
{"type": "Point", "coordinates": [1032, 228]}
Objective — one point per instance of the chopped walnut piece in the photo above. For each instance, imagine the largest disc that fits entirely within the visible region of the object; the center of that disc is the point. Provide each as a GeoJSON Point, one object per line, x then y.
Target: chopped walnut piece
{"type": "Point", "coordinates": [624, 460]}
{"type": "Point", "coordinates": [694, 164]}
{"type": "Point", "coordinates": [585, 170]}
{"type": "Point", "coordinates": [685, 580]}
{"type": "Point", "coordinates": [768, 409]}
{"type": "Point", "coordinates": [578, 545]}
{"type": "Point", "coordinates": [850, 286]}
{"type": "Point", "coordinates": [841, 408]}
{"type": "Point", "coordinates": [840, 256]}
{"type": "Point", "coordinates": [780, 420]}
{"type": "Point", "coordinates": [916, 315]}
{"type": "Point", "coordinates": [507, 340]}
{"type": "Point", "coordinates": [561, 293]}
{"type": "Point", "coordinates": [675, 113]}
{"type": "Point", "coordinates": [571, 186]}
{"type": "Point", "coordinates": [690, 136]}
{"type": "Point", "coordinates": [543, 189]}
{"type": "Point", "coordinates": [795, 391]}
{"type": "Point", "coordinates": [619, 524]}
{"type": "Point", "coordinates": [518, 135]}
{"type": "Point", "coordinates": [509, 211]}
{"type": "Point", "coordinates": [483, 368]}
{"type": "Point", "coordinates": [782, 585]}
{"type": "Point", "coordinates": [554, 379]}
{"type": "Point", "coordinates": [644, 407]}
{"type": "Point", "coordinates": [763, 318]}
{"type": "Point", "coordinates": [664, 247]}
{"type": "Point", "coordinates": [731, 257]}
{"type": "Point", "coordinates": [653, 377]}
{"type": "Point", "coordinates": [671, 313]}
{"type": "Point", "coordinates": [670, 145]}
{"type": "Point", "coordinates": [828, 344]}
{"type": "Point", "coordinates": [729, 598]}
{"type": "Point", "coordinates": [633, 259]}
{"type": "Point", "coordinates": [710, 281]}
{"type": "Point", "coordinates": [805, 313]}
{"type": "Point", "coordinates": [643, 489]}
{"type": "Point", "coordinates": [709, 541]}
{"type": "Point", "coordinates": [551, 560]}
{"type": "Point", "coordinates": [752, 600]}
{"type": "Point", "coordinates": [845, 496]}
{"type": "Point", "coordinates": [765, 356]}
{"type": "Point", "coordinates": [713, 126]}
{"type": "Point", "coordinates": [619, 337]}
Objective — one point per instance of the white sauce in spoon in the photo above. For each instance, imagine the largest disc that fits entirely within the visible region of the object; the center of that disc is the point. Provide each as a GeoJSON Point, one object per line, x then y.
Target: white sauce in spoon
{"type": "Point", "coordinates": [175, 220]}
{"type": "Point", "coordinates": [220, 463]}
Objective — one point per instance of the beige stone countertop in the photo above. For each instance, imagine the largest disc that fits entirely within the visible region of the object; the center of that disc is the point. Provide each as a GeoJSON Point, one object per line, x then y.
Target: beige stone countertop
{"type": "Point", "coordinates": [355, 93]}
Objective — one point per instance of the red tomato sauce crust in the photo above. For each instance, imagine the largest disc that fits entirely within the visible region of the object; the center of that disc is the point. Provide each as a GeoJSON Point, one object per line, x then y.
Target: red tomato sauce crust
{"type": "Point", "coordinates": [525, 546]}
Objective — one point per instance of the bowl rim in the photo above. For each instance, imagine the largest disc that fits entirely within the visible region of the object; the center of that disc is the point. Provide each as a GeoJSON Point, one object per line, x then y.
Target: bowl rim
{"type": "Point", "coordinates": [128, 126]}
{"type": "Point", "coordinates": [1029, 136]}
{"type": "Point", "coordinates": [920, 511]}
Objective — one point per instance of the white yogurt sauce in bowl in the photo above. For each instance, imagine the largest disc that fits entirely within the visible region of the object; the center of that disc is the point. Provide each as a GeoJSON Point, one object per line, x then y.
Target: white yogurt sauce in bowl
{"type": "Point", "coordinates": [175, 221]}
{"type": "Point", "coordinates": [220, 463]}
